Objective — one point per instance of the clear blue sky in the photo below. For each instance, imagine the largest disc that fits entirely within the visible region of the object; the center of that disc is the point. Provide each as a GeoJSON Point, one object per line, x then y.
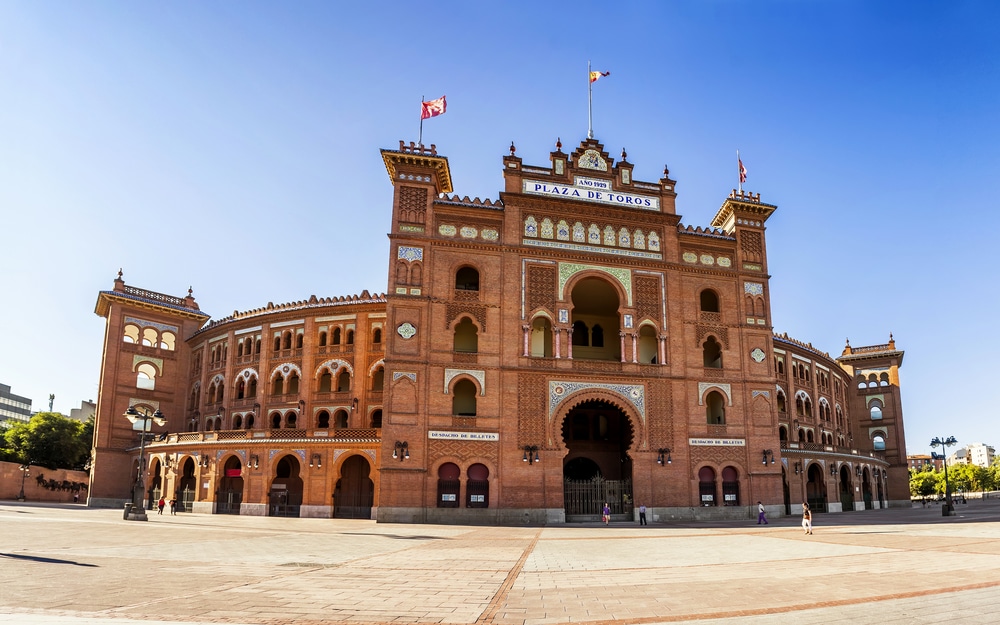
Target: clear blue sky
{"type": "Point", "coordinates": [233, 147]}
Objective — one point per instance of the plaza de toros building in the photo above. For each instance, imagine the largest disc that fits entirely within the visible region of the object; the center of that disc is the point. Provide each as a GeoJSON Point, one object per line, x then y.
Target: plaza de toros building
{"type": "Point", "coordinates": [535, 356]}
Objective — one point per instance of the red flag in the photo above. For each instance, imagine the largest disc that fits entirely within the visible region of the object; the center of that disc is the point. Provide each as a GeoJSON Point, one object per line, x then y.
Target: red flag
{"type": "Point", "coordinates": [433, 108]}
{"type": "Point", "coordinates": [595, 76]}
{"type": "Point", "coordinates": [743, 170]}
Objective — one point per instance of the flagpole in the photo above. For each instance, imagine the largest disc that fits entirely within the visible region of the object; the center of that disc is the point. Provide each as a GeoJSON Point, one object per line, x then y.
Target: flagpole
{"type": "Point", "coordinates": [420, 135]}
{"type": "Point", "coordinates": [739, 172]}
{"type": "Point", "coordinates": [590, 104]}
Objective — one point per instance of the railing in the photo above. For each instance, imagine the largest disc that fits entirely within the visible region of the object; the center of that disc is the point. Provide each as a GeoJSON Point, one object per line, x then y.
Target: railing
{"type": "Point", "coordinates": [338, 434]}
{"type": "Point", "coordinates": [153, 295]}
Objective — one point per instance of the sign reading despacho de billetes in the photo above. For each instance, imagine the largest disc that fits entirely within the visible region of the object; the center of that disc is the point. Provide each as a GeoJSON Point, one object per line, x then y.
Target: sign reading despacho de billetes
{"type": "Point", "coordinates": [617, 198]}
{"type": "Point", "coordinates": [717, 442]}
{"type": "Point", "coordinates": [464, 436]}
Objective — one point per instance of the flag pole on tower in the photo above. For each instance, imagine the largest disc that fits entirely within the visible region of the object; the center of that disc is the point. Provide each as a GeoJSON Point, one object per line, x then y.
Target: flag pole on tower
{"type": "Point", "coordinates": [592, 77]}
{"type": "Point", "coordinates": [432, 108]}
{"type": "Point", "coordinates": [420, 135]}
{"type": "Point", "coordinates": [742, 170]}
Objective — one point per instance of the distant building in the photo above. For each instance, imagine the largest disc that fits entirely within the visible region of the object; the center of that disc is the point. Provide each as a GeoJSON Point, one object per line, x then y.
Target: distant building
{"type": "Point", "coordinates": [919, 461]}
{"type": "Point", "coordinates": [13, 407]}
{"type": "Point", "coordinates": [86, 410]}
{"type": "Point", "coordinates": [979, 454]}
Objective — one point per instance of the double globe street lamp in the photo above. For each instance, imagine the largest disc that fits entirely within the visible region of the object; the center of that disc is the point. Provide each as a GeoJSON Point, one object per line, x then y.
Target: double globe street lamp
{"type": "Point", "coordinates": [143, 422]}
{"type": "Point", "coordinates": [944, 444]}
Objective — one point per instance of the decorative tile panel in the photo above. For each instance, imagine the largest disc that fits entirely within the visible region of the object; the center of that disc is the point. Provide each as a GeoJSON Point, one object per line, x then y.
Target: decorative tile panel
{"type": "Point", "coordinates": [704, 386]}
{"type": "Point", "coordinates": [490, 234]}
{"type": "Point", "coordinates": [404, 374]}
{"type": "Point", "coordinates": [447, 230]}
{"type": "Point", "coordinates": [468, 232]}
{"type": "Point", "coordinates": [568, 270]}
{"type": "Point", "coordinates": [753, 288]}
{"type": "Point", "coordinates": [689, 257]}
{"type": "Point", "coordinates": [410, 254]}
{"type": "Point", "coordinates": [406, 330]}
{"type": "Point", "coordinates": [451, 374]}
{"type": "Point", "coordinates": [634, 394]}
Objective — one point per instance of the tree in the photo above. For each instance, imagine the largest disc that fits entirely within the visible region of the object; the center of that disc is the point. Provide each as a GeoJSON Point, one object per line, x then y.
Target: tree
{"type": "Point", "coordinates": [924, 483]}
{"type": "Point", "coordinates": [50, 440]}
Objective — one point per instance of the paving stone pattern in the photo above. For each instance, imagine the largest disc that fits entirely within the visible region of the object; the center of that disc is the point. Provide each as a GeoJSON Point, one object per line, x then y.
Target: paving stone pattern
{"type": "Point", "coordinates": [71, 565]}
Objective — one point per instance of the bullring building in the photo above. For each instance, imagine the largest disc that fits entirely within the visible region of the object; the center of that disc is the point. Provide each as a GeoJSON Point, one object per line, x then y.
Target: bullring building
{"type": "Point", "coordinates": [567, 344]}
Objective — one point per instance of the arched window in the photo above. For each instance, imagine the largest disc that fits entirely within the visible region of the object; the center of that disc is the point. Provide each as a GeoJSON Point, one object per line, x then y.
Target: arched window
{"type": "Point", "coordinates": [377, 336]}
{"type": "Point", "coordinates": [145, 376]}
{"type": "Point", "coordinates": [463, 401]}
{"type": "Point", "coordinates": [241, 389]}
{"type": "Point", "coordinates": [336, 336]}
{"type": "Point", "coordinates": [237, 422]}
{"type": "Point", "coordinates": [782, 434]}
{"type": "Point", "coordinates": [883, 379]}
{"type": "Point", "coordinates": [376, 420]}
{"type": "Point", "coordinates": [581, 335]}
{"type": "Point", "coordinates": [249, 424]}
{"type": "Point", "coordinates": [298, 340]}
{"type": "Point", "coordinates": [876, 412]}
{"type": "Point", "coordinates": [323, 419]}
{"type": "Point", "coordinates": [275, 420]}
{"type": "Point", "coordinates": [252, 388]}
{"type": "Point", "coordinates": [715, 408]}
{"type": "Point", "coordinates": [167, 340]}
{"type": "Point", "coordinates": [149, 337]}
{"type": "Point", "coordinates": [378, 379]}
{"type": "Point", "coordinates": [291, 420]}
{"type": "Point", "coordinates": [647, 344]}
{"type": "Point", "coordinates": [293, 384]}
{"type": "Point", "coordinates": [322, 339]}
{"type": "Point", "coordinates": [340, 419]}
{"type": "Point", "coordinates": [730, 487]}
{"type": "Point", "coordinates": [597, 336]}
{"type": "Point", "coordinates": [540, 342]}
{"type": "Point", "coordinates": [711, 354]}
{"type": "Point", "coordinates": [878, 442]}
{"type": "Point", "coordinates": [277, 343]}
{"type": "Point", "coordinates": [477, 487]}
{"type": "Point", "coordinates": [449, 485]}
{"type": "Point", "coordinates": [278, 385]}
{"type": "Point", "coordinates": [706, 486]}
{"type": "Point", "coordinates": [325, 382]}
{"type": "Point", "coordinates": [286, 340]}
{"type": "Point", "coordinates": [782, 407]}
{"type": "Point", "coordinates": [131, 334]}
{"type": "Point", "coordinates": [709, 301]}
{"type": "Point", "coordinates": [467, 279]}
{"type": "Point", "coordinates": [466, 337]}
{"type": "Point", "coordinates": [344, 382]}
{"type": "Point", "coordinates": [350, 337]}
{"type": "Point", "coordinates": [800, 407]}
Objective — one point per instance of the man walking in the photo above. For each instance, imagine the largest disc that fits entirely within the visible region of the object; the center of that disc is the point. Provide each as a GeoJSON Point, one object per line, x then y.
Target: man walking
{"type": "Point", "coordinates": [642, 514]}
{"type": "Point", "coordinates": [761, 517]}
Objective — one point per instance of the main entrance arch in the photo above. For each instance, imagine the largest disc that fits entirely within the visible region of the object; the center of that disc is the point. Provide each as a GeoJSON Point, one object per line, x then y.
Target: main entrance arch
{"type": "Point", "coordinates": [285, 496]}
{"type": "Point", "coordinates": [355, 490]}
{"type": "Point", "coordinates": [597, 469]}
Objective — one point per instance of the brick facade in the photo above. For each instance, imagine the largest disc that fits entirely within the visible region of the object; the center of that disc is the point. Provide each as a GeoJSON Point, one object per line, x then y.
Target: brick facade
{"type": "Point", "coordinates": [573, 321]}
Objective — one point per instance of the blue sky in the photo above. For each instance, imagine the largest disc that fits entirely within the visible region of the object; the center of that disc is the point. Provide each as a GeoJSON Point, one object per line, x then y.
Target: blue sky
{"type": "Point", "coordinates": [233, 148]}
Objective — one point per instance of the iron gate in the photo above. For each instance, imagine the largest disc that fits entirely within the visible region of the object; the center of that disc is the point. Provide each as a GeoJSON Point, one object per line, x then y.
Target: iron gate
{"type": "Point", "coordinates": [584, 499]}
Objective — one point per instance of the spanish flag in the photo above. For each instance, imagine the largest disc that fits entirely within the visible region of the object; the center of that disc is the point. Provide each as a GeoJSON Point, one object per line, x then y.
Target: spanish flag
{"type": "Point", "coordinates": [595, 76]}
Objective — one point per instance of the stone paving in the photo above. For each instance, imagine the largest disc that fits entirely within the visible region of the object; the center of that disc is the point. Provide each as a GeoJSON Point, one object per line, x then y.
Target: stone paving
{"type": "Point", "coordinates": [71, 565]}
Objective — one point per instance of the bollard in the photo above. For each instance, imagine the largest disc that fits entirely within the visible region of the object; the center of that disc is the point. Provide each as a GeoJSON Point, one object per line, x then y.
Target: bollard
{"type": "Point", "coordinates": [128, 510]}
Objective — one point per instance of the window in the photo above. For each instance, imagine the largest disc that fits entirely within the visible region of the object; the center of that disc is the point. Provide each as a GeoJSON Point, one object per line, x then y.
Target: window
{"type": "Point", "coordinates": [350, 337]}
{"type": "Point", "coordinates": [340, 419]}
{"type": "Point", "coordinates": [715, 408]}
{"type": "Point", "coordinates": [878, 442]}
{"type": "Point", "coordinates": [336, 336]}
{"type": "Point", "coordinates": [325, 382]}
{"type": "Point", "coordinates": [322, 339]}
{"type": "Point", "coordinates": [477, 487]}
{"type": "Point", "coordinates": [712, 354]}
{"type": "Point", "coordinates": [376, 420]}
{"type": "Point", "coordinates": [730, 487]}
{"type": "Point", "coordinates": [145, 376]}
{"type": "Point", "coordinates": [167, 340]}
{"type": "Point", "coordinates": [449, 485]}
{"type": "Point", "coordinates": [581, 335]}
{"type": "Point", "coordinates": [709, 301]}
{"type": "Point", "coordinates": [377, 336]}
{"type": "Point", "coordinates": [131, 334]}
{"type": "Point", "coordinates": [467, 279]}
{"type": "Point", "coordinates": [466, 337]}
{"type": "Point", "coordinates": [323, 419]}
{"type": "Point", "coordinates": [706, 486]}
{"type": "Point", "coordinates": [647, 344]}
{"type": "Point", "coordinates": [463, 401]}
{"type": "Point", "coordinates": [344, 382]}
{"type": "Point", "coordinates": [876, 412]}
{"type": "Point", "coordinates": [149, 337]}
{"type": "Point", "coordinates": [293, 384]}
{"type": "Point", "coordinates": [540, 342]}
{"type": "Point", "coordinates": [378, 379]}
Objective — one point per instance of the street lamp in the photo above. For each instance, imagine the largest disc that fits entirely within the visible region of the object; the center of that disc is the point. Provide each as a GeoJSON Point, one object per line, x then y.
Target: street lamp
{"type": "Point", "coordinates": [944, 444]}
{"type": "Point", "coordinates": [25, 473]}
{"type": "Point", "coordinates": [142, 421]}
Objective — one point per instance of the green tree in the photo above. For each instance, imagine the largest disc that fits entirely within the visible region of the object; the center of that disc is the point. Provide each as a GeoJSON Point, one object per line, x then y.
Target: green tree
{"type": "Point", "coordinates": [924, 483]}
{"type": "Point", "coordinates": [50, 440]}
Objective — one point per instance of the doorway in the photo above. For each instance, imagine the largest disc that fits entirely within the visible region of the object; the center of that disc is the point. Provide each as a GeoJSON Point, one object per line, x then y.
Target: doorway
{"type": "Point", "coordinates": [355, 490]}
{"type": "Point", "coordinates": [597, 469]}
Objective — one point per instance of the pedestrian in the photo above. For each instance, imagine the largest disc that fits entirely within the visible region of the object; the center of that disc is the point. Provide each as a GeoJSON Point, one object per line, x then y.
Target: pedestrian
{"type": "Point", "coordinates": [642, 514]}
{"type": "Point", "coordinates": [173, 506]}
{"type": "Point", "coordinates": [606, 513]}
{"type": "Point", "coordinates": [807, 519]}
{"type": "Point", "coordinates": [76, 497]}
{"type": "Point", "coordinates": [160, 504]}
{"type": "Point", "coordinates": [761, 517]}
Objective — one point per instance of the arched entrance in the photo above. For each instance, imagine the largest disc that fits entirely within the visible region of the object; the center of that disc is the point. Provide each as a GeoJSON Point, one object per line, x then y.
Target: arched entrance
{"type": "Point", "coordinates": [355, 490]}
{"type": "Point", "coordinates": [816, 489]}
{"type": "Point", "coordinates": [285, 496]}
{"type": "Point", "coordinates": [186, 486]}
{"type": "Point", "coordinates": [846, 490]}
{"type": "Point", "coordinates": [156, 484]}
{"type": "Point", "coordinates": [597, 468]}
{"type": "Point", "coordinates": [230, 495]}
{"type": "Point", "coordinates": [786, 493]}
{"type": "Point", "coordinates": [866, 490]}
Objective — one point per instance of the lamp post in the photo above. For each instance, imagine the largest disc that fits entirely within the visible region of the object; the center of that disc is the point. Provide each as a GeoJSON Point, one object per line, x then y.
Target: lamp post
{"type": "Point", "coordinates": [141, 421]}
{"type": "Point", "coordinates": [25, 473]}
{"type": "Point", "coordinates": [944, 444]}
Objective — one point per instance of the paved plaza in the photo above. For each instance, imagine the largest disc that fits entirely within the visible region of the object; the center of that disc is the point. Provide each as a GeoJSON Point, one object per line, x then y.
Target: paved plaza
{"type": "Point", "coordinates": [71, 565]}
